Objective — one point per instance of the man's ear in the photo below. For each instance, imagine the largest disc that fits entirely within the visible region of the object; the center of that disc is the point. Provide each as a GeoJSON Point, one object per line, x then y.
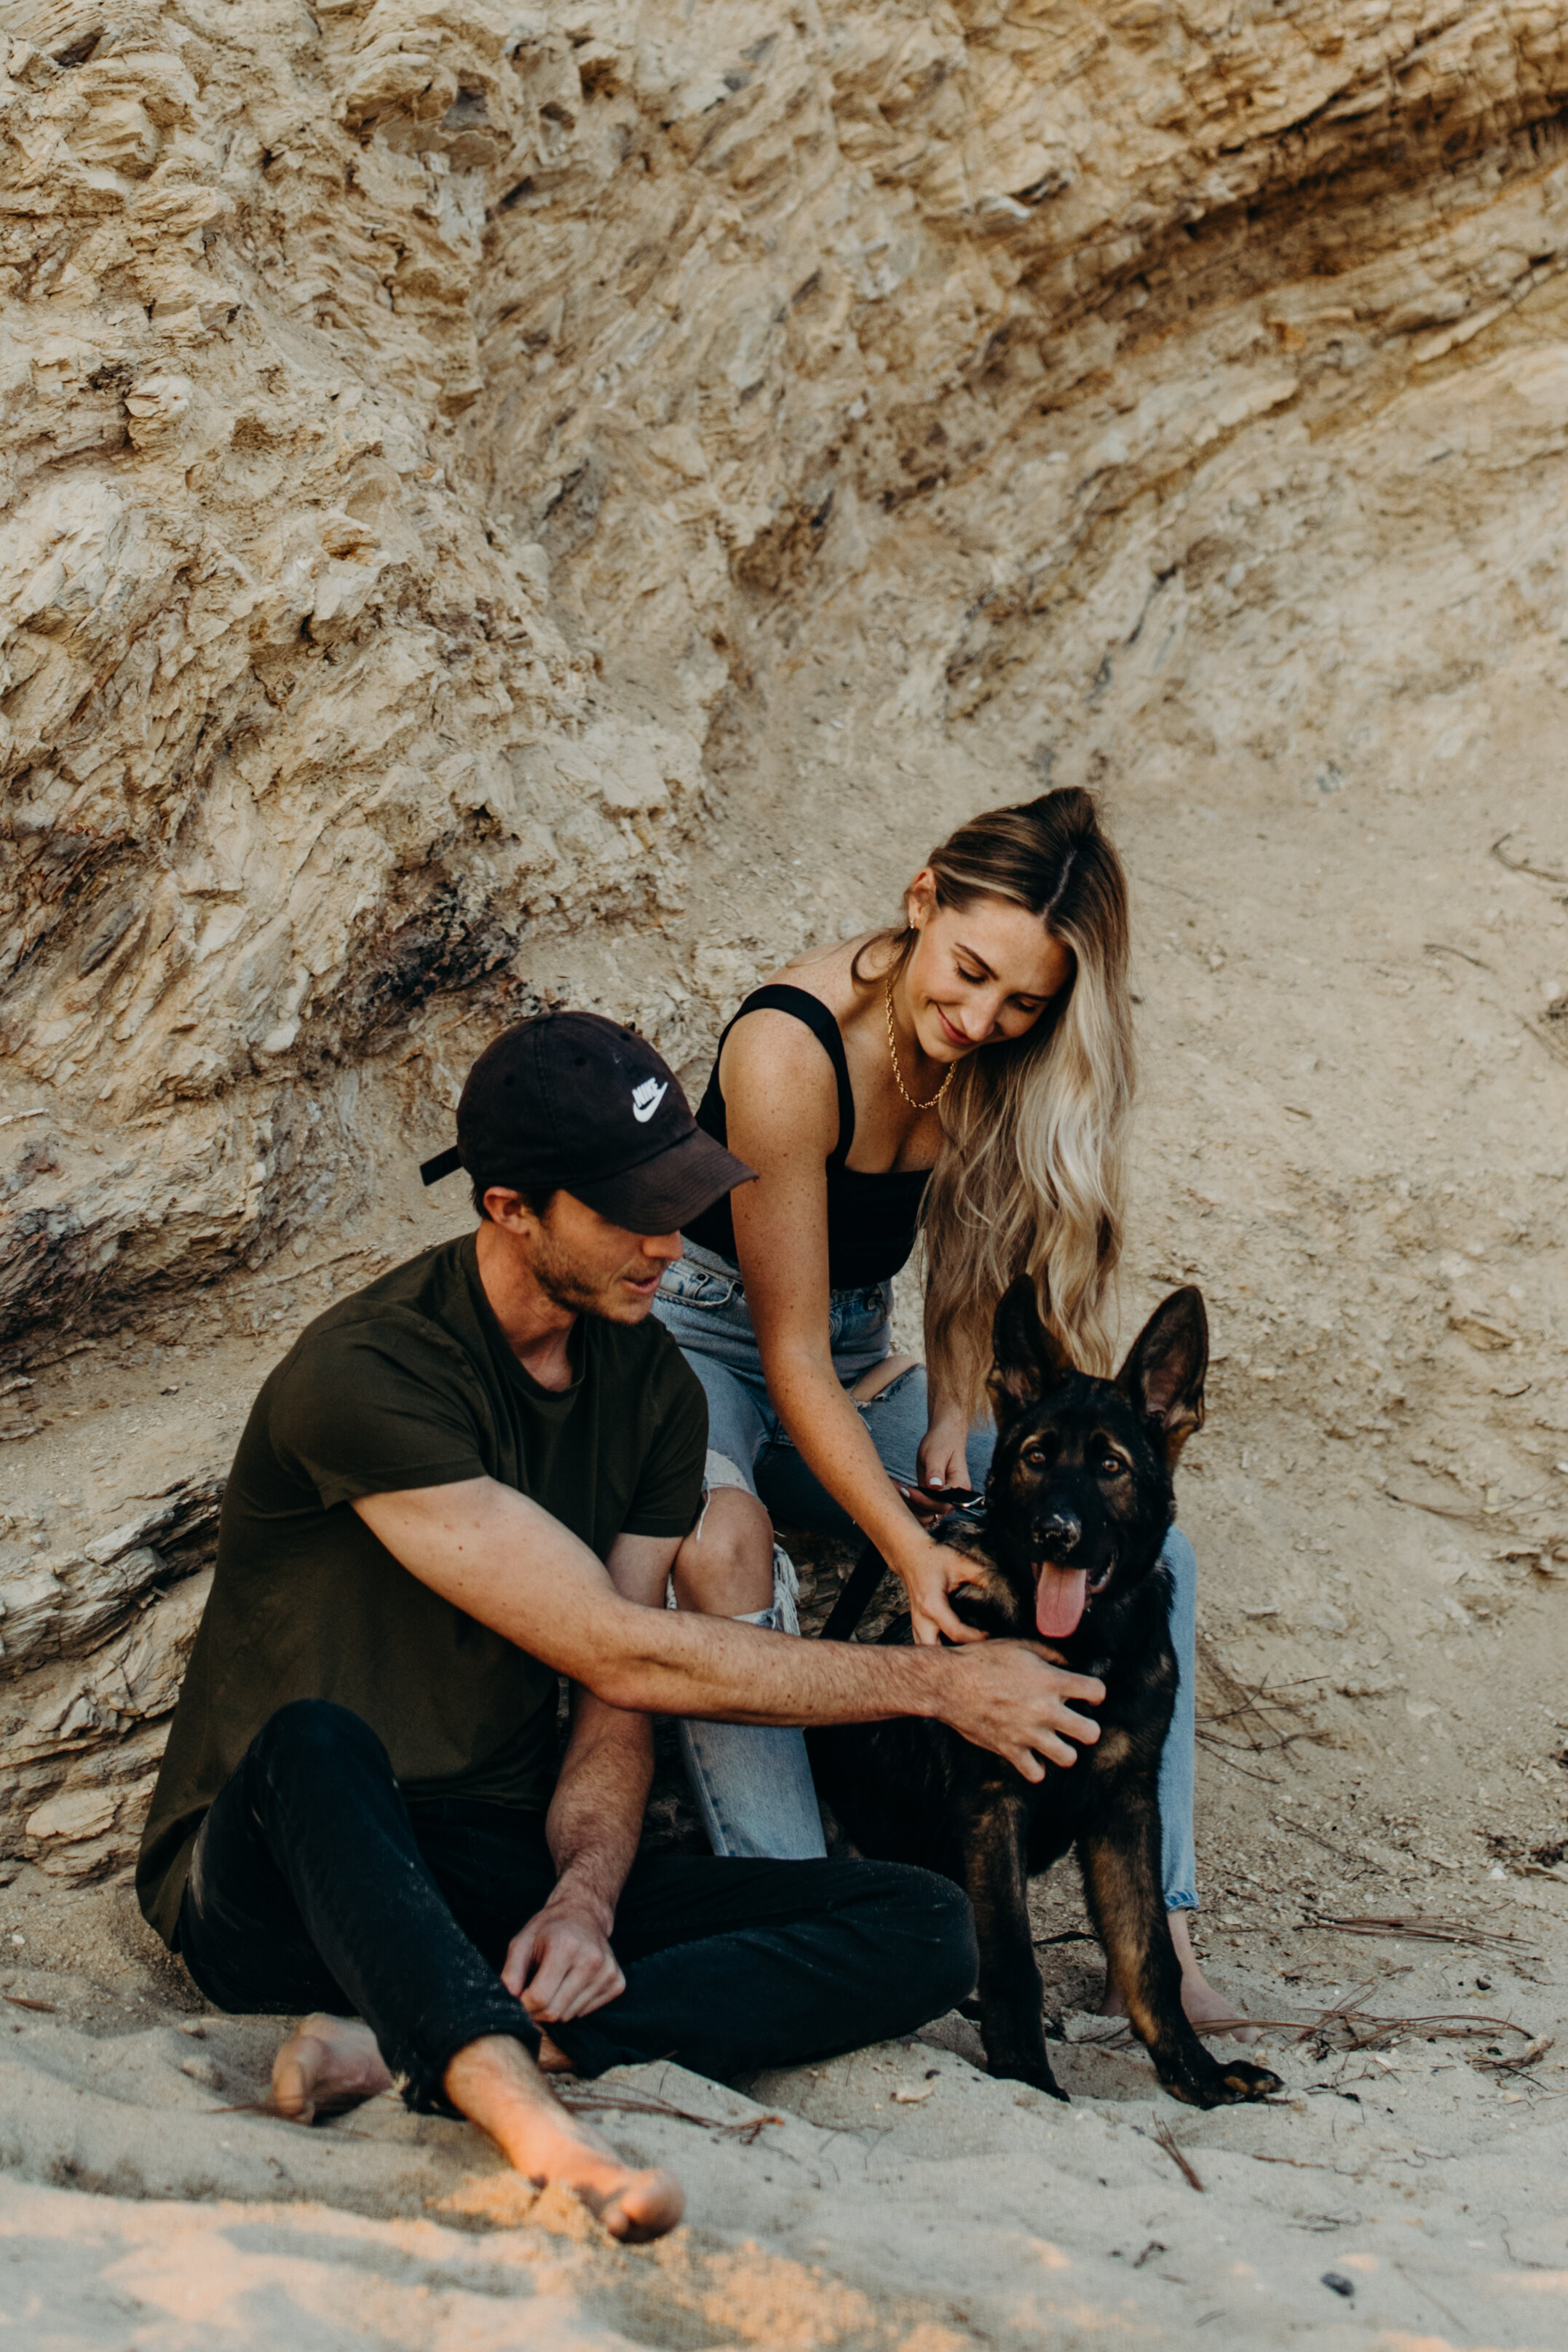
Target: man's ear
{"type": "Point", "coordinates": [1163, 1374]}
{"type": "Point", "coordinates": [1029, 1360]}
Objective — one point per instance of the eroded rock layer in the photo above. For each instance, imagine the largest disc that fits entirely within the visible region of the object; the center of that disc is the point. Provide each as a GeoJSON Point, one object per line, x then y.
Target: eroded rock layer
{"type": "Point", "coordinates": [420, 420]}
{"type": "Point", "coordinates": [471, 473]}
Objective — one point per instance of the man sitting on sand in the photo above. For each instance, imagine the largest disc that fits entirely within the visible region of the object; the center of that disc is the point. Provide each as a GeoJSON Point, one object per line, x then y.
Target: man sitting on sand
{"type": "Point", "coordinates": [469, 1478]}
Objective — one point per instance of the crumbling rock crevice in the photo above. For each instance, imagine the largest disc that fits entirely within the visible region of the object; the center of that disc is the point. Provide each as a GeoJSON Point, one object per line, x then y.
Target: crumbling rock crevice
{"type": "Point", "coordinates": [406, 414]}
{"type": "Point", "coordinates": [95, 1642]}
{"type": "Point", "coordinates": [445, 446]}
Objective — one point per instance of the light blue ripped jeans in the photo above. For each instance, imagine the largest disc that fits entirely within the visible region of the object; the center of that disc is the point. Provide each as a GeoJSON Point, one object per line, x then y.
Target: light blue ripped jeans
{"type": "Point", "coordinates": [752, 1783]}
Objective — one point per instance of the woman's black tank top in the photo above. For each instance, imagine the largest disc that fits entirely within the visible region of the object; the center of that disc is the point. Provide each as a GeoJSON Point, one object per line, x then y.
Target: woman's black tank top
{"type": "Point", "coordinates": [871, 1220]}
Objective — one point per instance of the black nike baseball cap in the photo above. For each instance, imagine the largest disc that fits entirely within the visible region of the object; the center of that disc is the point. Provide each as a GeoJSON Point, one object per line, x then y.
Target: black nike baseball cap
{"type": "Point", "coordinates": [574, 1103]}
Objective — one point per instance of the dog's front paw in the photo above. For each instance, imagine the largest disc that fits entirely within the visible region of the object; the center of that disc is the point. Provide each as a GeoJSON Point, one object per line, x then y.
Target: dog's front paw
{"type": "Point", "coordinates": [1243, 2080]}
{"type": "Point", "coordinates": [1217, 2086]}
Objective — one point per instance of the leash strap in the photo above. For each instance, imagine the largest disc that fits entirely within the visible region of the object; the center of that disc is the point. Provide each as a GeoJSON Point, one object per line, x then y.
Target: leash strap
{"type": "Point", "coordinates": [856, 1598]}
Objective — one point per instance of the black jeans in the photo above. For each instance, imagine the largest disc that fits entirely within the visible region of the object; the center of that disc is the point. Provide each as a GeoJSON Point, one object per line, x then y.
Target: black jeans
{"type": "Point", "coordinates": [316, 1884]}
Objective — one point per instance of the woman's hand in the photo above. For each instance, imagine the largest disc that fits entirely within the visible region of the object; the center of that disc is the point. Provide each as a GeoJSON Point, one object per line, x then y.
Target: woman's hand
{"type": "Point", "coordinates": [944, 1456]}
{"type": "Point", "coordinates": [930, 1571]}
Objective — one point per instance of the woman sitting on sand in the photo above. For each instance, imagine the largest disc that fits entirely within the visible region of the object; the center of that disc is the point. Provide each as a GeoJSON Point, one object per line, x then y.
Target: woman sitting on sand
{"type": "Point", "coordinates": [965, 1080]}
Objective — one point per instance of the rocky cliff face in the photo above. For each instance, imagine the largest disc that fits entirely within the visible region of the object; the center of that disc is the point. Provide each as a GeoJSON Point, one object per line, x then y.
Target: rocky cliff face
{"type": "Point", "coordinates": [423, 423]}
{"type": "Point", "coordinates": [469, 471]}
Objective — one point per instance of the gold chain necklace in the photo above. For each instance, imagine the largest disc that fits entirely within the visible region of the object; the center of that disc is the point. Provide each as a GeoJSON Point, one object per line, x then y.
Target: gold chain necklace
{"type": "Point", "coordinates": [894, 1057]}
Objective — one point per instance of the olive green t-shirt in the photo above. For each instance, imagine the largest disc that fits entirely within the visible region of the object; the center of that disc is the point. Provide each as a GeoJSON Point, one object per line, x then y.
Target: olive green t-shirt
{"type": "Point", "coordinates": [411, 1383]}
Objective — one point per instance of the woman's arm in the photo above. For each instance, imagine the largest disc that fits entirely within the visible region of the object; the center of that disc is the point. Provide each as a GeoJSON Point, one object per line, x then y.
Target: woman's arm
{"type": "Point", "coordinates": [945, 1448]}
{"type": "Point", "coordinates": [782, 1105]}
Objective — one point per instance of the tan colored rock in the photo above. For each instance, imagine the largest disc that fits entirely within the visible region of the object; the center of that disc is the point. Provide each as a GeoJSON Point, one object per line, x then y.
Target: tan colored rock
{"type": "Point", "coordinates": [449, 453]}
{"type": "Point", "coordinates": [95, 1645]}
{"type": "Point", "coordinates": [409, 415]}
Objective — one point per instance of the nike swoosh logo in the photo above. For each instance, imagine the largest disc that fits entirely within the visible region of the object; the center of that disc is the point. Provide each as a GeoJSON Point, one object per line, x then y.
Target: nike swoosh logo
{"type": "Point", "coordinates": [645, 1101]}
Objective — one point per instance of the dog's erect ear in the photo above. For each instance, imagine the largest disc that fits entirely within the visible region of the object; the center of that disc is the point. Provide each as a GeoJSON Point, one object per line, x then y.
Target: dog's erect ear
{"type": "Point", "coordinates": [1163, 1376]}
{"type": "Point", "coordinates": [1030, 1360]}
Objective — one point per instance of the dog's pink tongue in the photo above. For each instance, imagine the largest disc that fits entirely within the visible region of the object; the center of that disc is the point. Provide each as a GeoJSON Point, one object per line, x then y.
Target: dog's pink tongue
{"type": "Point", "coordinates": [1059, 1600]}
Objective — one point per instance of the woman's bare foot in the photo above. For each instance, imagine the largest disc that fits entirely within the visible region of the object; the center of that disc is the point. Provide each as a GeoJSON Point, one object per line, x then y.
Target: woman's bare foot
{"type": "Point", "coordinates": [1206, 2010]}
{"type": "Point", "coordinates": [327, 2064]}
{"type": "Point", "coordinates": [497, 2085]}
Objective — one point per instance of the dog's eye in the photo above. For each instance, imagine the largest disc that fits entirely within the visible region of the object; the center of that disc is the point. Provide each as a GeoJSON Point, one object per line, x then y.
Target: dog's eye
{"type": "Point", "coordinates": [1034, 1455]}
{"type": "Point", "coordinates": [1112, 1466]}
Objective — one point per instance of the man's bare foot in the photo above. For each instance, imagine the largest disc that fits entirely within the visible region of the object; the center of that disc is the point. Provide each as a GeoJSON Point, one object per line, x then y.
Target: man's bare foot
{"type": "Point", "coordinates": [497, 2085]}
{"type": "Point", "coordinates": [327, 2064]}
{"type": "Point", "coordinates": [1206, 2010]}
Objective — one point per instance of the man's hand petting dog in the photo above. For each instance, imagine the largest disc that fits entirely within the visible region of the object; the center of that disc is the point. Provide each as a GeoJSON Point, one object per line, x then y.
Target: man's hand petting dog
{"type": "Point", "coordinates": [560, 1963]}
{"type": "Point", "coordinates": [987, 1687]}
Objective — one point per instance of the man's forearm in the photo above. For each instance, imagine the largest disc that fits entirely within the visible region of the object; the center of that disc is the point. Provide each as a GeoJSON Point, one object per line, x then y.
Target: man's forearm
{"type": "Point", "coordinates": [716, 1669]}
{"type": "Point", "coordinates": [502, 1560]}
{"type": "Point", "coordinates": [596, 1815]}
{"type": "Point", "coordinates": [497, 1556]}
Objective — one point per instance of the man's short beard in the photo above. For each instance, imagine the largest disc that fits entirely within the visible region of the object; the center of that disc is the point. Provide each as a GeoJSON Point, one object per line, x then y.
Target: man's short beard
{"type": "Point", "coordinates": [568, 1283]}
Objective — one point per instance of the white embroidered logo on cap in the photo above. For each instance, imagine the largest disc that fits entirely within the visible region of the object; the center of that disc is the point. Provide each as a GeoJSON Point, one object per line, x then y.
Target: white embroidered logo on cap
{"type": "Point", "coordinates": [646, 1098]}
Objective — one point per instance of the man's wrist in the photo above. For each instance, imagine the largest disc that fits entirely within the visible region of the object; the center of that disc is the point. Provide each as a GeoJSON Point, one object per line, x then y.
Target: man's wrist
{"type": "Point", "coordinates": [925, 1673]}
{"type": "Point", "coordinates": [579, 1893]}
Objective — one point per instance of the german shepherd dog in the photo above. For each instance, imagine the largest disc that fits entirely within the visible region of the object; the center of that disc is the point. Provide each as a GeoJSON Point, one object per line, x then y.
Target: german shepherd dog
{"type": "Point", "coordinates": [1066, 1548]}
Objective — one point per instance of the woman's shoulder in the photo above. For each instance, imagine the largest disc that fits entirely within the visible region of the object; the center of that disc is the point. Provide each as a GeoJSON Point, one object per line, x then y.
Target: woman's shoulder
{"type": "Point", "coordinates": [830, 974]}
{"type": "Point", "coordinates": [775, 1057]}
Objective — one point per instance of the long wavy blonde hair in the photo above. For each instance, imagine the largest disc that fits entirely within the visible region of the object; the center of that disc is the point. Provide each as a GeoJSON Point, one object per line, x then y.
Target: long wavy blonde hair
{"type": "Point", "coordinates": [1031, 1174]}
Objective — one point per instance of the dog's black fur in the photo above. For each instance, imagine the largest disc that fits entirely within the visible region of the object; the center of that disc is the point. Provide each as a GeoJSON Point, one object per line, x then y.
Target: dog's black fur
{"type": "Point", "coordinates": [1081, 1478]}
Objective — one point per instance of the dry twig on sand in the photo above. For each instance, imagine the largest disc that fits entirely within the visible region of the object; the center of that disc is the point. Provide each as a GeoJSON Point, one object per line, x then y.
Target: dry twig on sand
{"type": "Point", "coordinates": [594, 2103]}
{"type": "Point", "coordinates": [1166, 2138]}
{"type": "Point", "coordinates": [1247, 1710]}
{"type": "Point", "coordinates": [1530, 2056]}
{"type": "Point", "coordinates": [1361, 2030]}
{"type": "Point", "coordinates": [1433, 1931]}
{"type": "Point", "coordinates": [1522, 865]}
{"type": "Point", "coordinates": [1441, 947]}
{"type": "Point", "coordinates": [1434, 1510]}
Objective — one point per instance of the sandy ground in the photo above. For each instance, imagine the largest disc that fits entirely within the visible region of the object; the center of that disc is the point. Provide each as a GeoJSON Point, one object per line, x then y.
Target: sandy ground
{"type": "Point", "coordinates": [1354, 1136]}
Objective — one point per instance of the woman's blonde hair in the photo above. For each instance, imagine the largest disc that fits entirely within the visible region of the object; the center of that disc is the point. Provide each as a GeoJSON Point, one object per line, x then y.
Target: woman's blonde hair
{"type": "Point", "coordinates": [1030, 1178]}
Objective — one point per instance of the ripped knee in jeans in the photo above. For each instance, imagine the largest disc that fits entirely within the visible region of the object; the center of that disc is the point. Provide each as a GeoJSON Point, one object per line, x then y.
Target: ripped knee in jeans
{"type": "Point", "coordinates": [883, 1377]}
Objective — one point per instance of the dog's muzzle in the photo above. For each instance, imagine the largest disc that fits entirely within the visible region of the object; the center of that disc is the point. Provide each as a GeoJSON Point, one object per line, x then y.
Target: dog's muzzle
{"type": "Point", "coordinates": [1063, 1586]}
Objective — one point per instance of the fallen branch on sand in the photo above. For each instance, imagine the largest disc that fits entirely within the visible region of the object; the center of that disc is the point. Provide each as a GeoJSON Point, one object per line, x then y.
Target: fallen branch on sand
{"type": "Point", "coordinates": [1516, 2065]}
{"type": "Point", "coordinates": [1360, 2029]}
{"type": "Point", "coordinates": [1524, 865]}
{"type": "Point", "coordinates": [1432, 1931]}
{"type": "Point", "coordinates": [1364, 2031]}
{"type": "Point", "coordinates": [1437, 1510]}
{"type": "Point", "coordinates": [649, 2104]}
{"type": "Point", "coordinates": [1441, 947]}
{"type": "Point", "coordinates": [1165, 2138]}
{"type": "Point", "coordinates": [1250, 1707]}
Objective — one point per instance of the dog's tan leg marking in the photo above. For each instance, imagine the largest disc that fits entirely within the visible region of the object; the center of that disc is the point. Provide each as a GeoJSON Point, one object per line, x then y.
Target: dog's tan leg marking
{"type": "Point", "coordinates": [1011, 1997]}
{"type": "Point", "coordinates": [1125, 1909]}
